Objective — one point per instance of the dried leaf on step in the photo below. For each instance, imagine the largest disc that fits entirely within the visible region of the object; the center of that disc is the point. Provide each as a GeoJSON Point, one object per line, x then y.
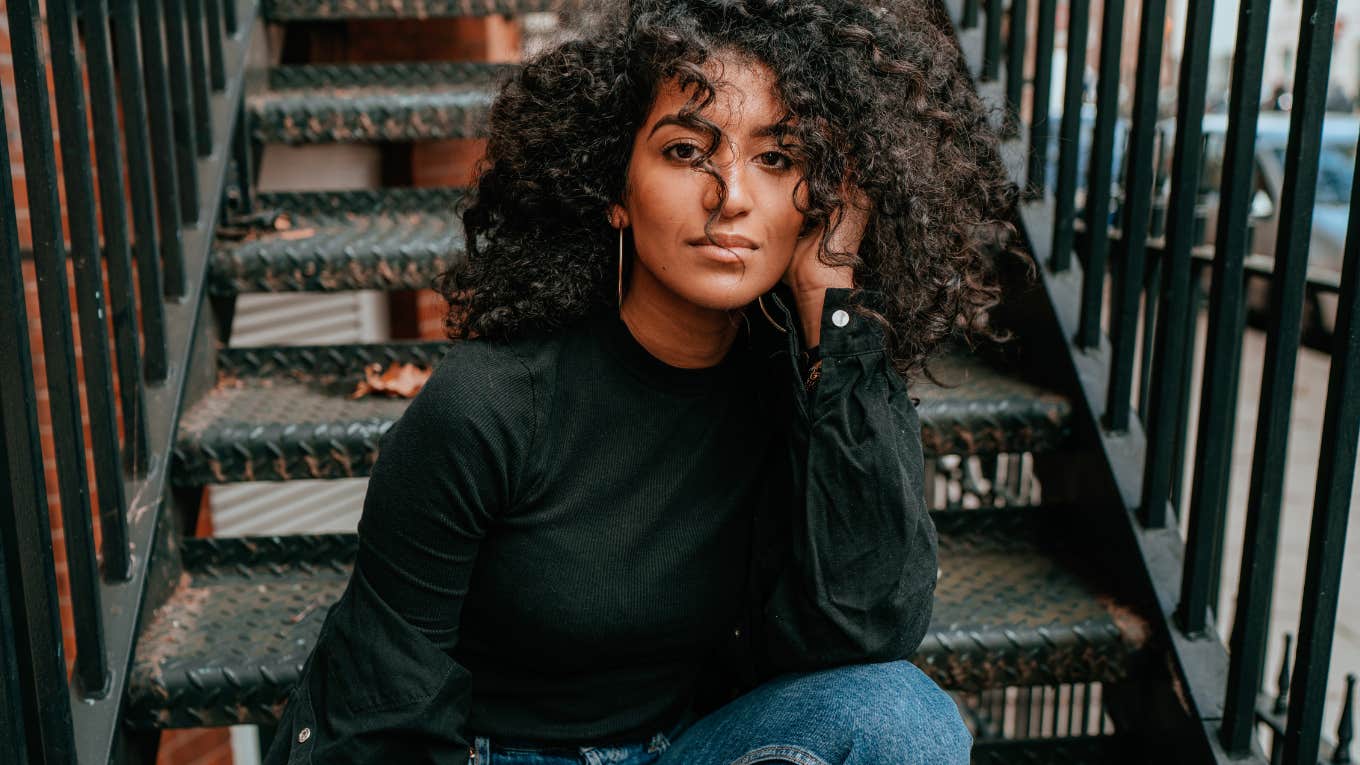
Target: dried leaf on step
{"type": "Point", "coordinates": [404, 380]}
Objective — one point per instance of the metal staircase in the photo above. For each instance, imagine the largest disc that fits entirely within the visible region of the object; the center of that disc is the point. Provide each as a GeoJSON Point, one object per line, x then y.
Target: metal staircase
{"type": "Point", "coordinates": [1051, 625]}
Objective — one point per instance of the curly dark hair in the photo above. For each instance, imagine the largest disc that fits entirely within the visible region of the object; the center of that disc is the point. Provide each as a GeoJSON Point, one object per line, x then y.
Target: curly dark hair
{"type": "Point", "coordinates": [873, 91]}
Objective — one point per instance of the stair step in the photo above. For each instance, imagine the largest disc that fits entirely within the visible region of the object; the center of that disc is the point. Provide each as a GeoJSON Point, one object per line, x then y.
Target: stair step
{"type": "Point", "coordinates": [335, 10]}
{"type": "Point", "coordinates": [1066, 750]}
{"type": "Point", "coordinates": [283, 413]}
{"type": "Point", "coordinates": [1014, 606]}
{"type": "Point", "coordinates": [386, 239]}
{"type": "Point", "coordinates": [351, 103]}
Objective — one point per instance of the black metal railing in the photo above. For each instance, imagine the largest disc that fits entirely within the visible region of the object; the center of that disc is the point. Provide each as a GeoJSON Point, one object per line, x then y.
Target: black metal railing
{"type": "Point", "coordinates": [1152, 287]}
{"type": "Point", "coordinates": [143, 164]}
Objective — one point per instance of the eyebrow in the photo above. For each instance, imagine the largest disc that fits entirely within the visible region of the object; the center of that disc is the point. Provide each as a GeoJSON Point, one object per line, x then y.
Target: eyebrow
{"type": "Point", "coordinates": [776, 130]}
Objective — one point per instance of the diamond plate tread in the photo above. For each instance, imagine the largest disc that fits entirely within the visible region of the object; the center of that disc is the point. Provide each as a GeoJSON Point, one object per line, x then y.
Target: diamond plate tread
{"type": "Point", "coordinates": [1019, 604]}
{"type": "Point", "coordinates": [282, 413]}
{"type": "Point", "coordinates": [331, 10]}
{"type": "Point", "coordinates": [980, 409]}
{"type": "Point", "coordinates": [351, 103]}
{"type": "Point", "coordinates": [1010, 609]}
{"type": "Point", "coordinates": [386, 239]}
{"type": "Point", "coordinates": [1082, 750]}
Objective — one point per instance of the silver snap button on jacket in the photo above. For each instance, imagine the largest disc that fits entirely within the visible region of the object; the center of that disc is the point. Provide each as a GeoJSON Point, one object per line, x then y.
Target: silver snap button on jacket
{"type": "Point", "coordinates": [840, 318]}
{"type": "Point", "coordinates": [304, 734]}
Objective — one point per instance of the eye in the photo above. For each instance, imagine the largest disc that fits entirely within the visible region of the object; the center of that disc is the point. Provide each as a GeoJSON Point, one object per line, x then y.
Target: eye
{"type": "Point", "coordinates": [684, 152]}
{"type": "Point", "coordinates": [776, 159]}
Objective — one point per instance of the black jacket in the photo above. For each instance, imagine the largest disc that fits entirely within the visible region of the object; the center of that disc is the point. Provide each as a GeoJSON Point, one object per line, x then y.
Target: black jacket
{"type": "Point", "coordinates": [843, 571]}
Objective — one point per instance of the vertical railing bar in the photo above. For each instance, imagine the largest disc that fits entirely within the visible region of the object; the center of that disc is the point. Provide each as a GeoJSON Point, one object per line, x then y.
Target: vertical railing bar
{"type": "Point", "coordinates": [13, 741]}
{"type": "Point", "coordinates": [1098, 174]}
{"type": "Point", "coordinates": [1152, 284]}
{"type": "Point", "coordinates": [1079, 708]}
{"type": "Point", "coordinates": [1022, 707]}
{"type": "Point", "coordinates": [104, 117]}
{"type": "Point", "coordinates": [1016, 42]}
{"type": "Point", "coordinates": [198, 74]}
{"type": "Point", "coordinates": [229, 16]}
{"type": "Point", "coordinates": [1331, 507]}
{"type": "Point", "coordinates": [1345, 727]}
{"type": "Point", "coordinates": [1218, 403]}
{"type": "Point", "coordinates": [1041, 89]}
{"type": "Point", "coordinates": [160, 112]}
{"type": "Point", "coordinates": [25, 527]}
{"type": "Point", "coordinates": [217, 68]}
{"type": "Point", "coordinates": [1135, 212]}
{"type": "Point", "coordinates": [1280, 705]}
{"type": "Point", "coordinates": [141, 196]}
{"type": "Point", "coordinates": [1072, 703]}
{"type": "Point", "coordinates": [182, 109]}
{"type": "Point", "coordinates": [1179, 422]}
{"type": "Point", "coordinates": [1069, 136]}
{"type": "Point", "coordinates": [991, 41]}
{"type": "Point", "coordinates": [1220, 532]}
{"type": "Point", "coordinates": [243, 157]}
{"type": "Point", "coordinates": [970, 14]}
{"type": "Point", "coordinates": [1256, 584]}
{"type": "Point", "coordinates": [77, 176]}
{"type": "Point", "coordinates": [49, 259]}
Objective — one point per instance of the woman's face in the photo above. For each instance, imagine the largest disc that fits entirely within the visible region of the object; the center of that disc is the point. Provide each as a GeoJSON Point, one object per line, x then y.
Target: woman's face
{"type": "Point", "coordinates": [668, 202]}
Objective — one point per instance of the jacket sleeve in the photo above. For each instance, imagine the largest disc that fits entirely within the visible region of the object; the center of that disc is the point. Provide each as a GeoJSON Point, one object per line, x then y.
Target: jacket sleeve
{"type": "Point", "coordinates": [856, 578]}
{"type": "Point", "coordinates": [380, 684]}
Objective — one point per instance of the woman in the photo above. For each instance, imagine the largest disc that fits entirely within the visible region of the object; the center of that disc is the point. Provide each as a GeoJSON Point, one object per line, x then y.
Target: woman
{"type": "Point", "coordinates": [662, 500]}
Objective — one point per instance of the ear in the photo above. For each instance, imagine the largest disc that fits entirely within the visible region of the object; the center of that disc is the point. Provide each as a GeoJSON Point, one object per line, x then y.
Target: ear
{"type": "Point", "coordinates": [618, 217]}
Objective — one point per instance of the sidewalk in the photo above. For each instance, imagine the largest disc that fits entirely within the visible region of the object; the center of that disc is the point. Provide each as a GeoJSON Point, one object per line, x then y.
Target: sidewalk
{"type": "Point", "coordinates": [1310, 398]}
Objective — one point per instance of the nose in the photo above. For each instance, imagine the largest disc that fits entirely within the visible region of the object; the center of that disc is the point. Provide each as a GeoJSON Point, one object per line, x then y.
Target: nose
{"type": "Point", "coordinates": [737, 200]}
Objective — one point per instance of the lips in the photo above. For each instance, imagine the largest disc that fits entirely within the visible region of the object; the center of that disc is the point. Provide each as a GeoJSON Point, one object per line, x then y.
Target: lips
{"type": "Point", "coordinates": [729, 241]}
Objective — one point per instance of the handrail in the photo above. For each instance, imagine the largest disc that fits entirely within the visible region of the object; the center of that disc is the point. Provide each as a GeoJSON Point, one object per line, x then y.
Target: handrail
{"type": "Point", "coordinates": [1219, 687]}
{"type": "Point", "coordinates": [178, 116]}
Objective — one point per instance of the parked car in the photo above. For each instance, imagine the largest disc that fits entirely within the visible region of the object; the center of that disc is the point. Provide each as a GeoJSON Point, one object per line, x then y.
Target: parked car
{"type": "Point", "coordinates": [1330, 211]}
{"type": "Point", "coordinates": [1331, 205]}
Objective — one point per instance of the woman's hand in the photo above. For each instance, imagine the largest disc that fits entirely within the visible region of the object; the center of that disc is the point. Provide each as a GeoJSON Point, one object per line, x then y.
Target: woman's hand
{"type": "Point", "coordinates": [809, 277]}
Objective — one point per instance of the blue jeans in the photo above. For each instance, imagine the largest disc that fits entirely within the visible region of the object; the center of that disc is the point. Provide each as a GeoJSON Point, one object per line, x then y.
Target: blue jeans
{"type": "Point", "coordinates": [864, 714]}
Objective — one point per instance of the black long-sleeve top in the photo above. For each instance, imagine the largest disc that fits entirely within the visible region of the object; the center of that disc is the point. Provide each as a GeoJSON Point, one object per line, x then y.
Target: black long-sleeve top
{"type": "Point", "coordinates": [566, 540]}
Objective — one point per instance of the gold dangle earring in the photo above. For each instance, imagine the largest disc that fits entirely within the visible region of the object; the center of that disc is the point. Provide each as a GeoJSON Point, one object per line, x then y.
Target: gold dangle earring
{"type": "Point", "coordinates": [620, 267]}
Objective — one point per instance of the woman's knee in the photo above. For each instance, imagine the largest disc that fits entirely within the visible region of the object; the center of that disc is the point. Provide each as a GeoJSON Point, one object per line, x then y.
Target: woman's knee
{"type": "Point", "coordinates": [888, 712]}
{"type": "Point", "coordinates": [893, 712]}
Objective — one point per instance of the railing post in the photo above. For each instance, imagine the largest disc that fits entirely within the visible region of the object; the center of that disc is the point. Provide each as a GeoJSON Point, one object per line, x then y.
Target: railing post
{"type": "Point", "coordinates": [1280, 704]}
{"type": "Point", "coordinates": [198, 72]}
{"type": "Point", "coordinates": [1098, 174]}
{"type": "Point", "coordinates": [1345, 728]}
{"type": "Point", "coordinates": [188, 125]}
{"type": "Point", "coordinates": [1218, 397]}
{"type": "Point", "coordinates": [1041, 91]}
{"type": "Point", "coordinates": [13, 740]}
{"type": "Point", "coordinates": [171, 168]}
{"type": "Point", "coordinates": [1069, 135]}
{"type": "Point", "coordinates": [1136, 213]}
{"type": "Point", "coordinates": [105, 118]}
{"type": "Point", "coordinates": [1260, 542]}
{"type": "Point", "coordinates": [1015, 65]}
{"type": "Point", "coordinates": [43, 712]}
{"type": "Point", "coordinates": [50, 260]}
{"type": "Point", "coordinates": [991, 43]}
{"type": "Point", "coordinates": [142, 195]}
{"type": "Point", "coordinates": [1331, 506]}
{"type": "Point", "coordinates": [1170, 374]}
